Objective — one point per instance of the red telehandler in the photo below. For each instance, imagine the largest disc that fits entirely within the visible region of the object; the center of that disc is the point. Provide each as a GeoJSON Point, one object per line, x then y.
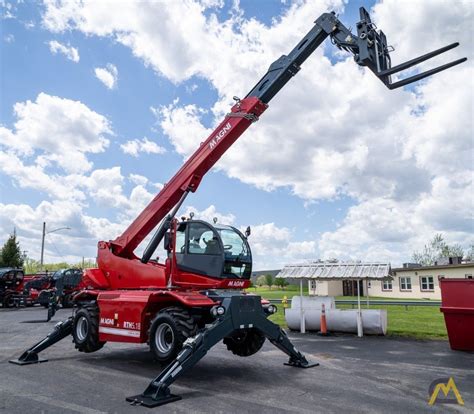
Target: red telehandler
{"type": "Point", "coordinates": [193, 300]}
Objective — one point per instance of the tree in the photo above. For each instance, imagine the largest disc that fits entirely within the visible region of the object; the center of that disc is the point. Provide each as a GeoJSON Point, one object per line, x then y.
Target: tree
{"type": "Point", "coordinates": [34, 266]}
{"type": "Point", "coordinates": [10, 255]}
{"type": "Point", "coordinates": [260, 281]}
{"type": "Point", "coordinates": [436, 249]}
{"type": "Point", "coordinates": [269, 281]}
{"type": "Point", "coordinates": [470, 253]}
{"type": "Point", "coordinates": [280, 282]}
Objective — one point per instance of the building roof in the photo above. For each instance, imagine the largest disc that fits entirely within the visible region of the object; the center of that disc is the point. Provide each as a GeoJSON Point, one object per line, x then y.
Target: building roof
{"type": "Point", "coordinates": [266, 272]}
{"type": "Point", "coordinates": [336, 271]}
{"type": "Point", "coordinates": [434, 267]}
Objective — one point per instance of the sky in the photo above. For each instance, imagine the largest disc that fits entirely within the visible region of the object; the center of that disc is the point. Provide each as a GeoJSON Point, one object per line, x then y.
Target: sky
{"type": "Point", "coordinates": [102, 102]}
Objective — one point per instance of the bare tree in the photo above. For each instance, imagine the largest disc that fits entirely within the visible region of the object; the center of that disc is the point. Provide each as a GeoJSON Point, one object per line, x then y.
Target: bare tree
{"type": "Point", "coordinates": [436, 249]}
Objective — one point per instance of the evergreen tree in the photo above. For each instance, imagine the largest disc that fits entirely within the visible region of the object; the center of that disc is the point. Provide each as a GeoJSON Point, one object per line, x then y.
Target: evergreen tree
{"type": "Point", "coordinates": [10, 255]}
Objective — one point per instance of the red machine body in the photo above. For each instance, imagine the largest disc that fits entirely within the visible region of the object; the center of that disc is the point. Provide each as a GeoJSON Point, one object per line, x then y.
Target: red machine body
{"type": "Point", "coordinates": [129, 292]}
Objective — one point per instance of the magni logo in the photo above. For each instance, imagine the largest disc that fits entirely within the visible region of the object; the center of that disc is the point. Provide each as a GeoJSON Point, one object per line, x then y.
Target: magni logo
{"type": "Point", "coordinates": [220, 135]}
{"type": "Point", "coordinates": [445, 385]}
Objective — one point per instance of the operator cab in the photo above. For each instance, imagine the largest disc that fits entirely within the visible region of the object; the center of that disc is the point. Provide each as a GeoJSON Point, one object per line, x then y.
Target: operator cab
{"type": "Point", "coordinates": [216, 251]}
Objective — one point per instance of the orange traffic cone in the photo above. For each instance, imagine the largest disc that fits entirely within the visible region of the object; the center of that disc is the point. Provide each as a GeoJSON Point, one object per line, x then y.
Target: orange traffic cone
{"type": "Point", "coordinates": [324, 328]}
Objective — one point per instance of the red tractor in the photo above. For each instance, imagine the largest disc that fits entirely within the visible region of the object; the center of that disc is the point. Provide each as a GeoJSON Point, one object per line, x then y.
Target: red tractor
{"type": "Point", "coordinates": [193, 299]}
{"type": "Point", "coordinates": [11, 286]}
{"type": "Point", "coordinates": [17, 289]}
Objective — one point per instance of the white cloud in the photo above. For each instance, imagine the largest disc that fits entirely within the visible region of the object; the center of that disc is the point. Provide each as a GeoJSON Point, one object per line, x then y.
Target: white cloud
{"type": "Point", "coordinates": [108, 75]}
{"type": "Point", "coordinates": [70, 52]}
{"type": "Point", "coordinates": [57, 130]}
{"type": "Point", "coordinates": [67, 245]}
{"type": "Point", "coordinates": [136, 146]}
{"type": "Point", "coordinates": [209, 214]}
{"type": "Point", "coordinates": [8, 10]}
{"type": "Point", "coordinates": [103, 187]}
{"type": "Point", "coordinates": [9, 38]}
{"type": "Point", "coordinates": [341, 132]}
{"type": "Point", "coordinates": [138, 179]}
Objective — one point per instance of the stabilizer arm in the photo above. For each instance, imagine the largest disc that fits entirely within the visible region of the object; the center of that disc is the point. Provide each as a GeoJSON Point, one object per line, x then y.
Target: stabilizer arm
{"type": "Point", "coordinates": [30, 356]}
{"type": "Point", "coordinates": [241, 312]}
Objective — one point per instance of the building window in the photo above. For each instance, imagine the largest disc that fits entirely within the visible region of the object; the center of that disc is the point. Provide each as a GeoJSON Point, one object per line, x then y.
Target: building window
{"type": "Point", "coordinates": [426, 283]}
{"type": "Point", "coordinates": [387, 285]}
{"type": "Point", "coordinates": [313, 284]}
{"type": "Point", "coordinates": [405, 283]}
{"type": "Point", "coordinates": [468, 276]}
{"type": "Point", "coordinates": [369, 284]}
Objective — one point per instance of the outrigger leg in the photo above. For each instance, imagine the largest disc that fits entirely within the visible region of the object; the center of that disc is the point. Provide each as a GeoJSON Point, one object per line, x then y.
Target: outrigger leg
{"type": "Point", "coordinates": [241, 312]}
{"type": "Point", "coordinates": [30, 356]}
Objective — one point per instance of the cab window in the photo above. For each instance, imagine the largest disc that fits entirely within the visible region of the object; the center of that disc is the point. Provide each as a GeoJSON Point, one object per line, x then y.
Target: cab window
{"type": "Point", "coordinates": [180, 239]}
{"type": "Point", "coordinates": [202, 240]}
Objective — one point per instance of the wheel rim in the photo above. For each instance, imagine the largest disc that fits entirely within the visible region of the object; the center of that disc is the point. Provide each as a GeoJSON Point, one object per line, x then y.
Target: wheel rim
{"type": "Point", "coordinates": [82, 328]}
{"type": "Point", "coordinates": [164, 338]}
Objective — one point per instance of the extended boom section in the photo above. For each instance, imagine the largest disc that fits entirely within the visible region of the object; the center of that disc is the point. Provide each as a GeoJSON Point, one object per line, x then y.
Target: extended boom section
{"type": "Point", "coordinates": [369, 47]}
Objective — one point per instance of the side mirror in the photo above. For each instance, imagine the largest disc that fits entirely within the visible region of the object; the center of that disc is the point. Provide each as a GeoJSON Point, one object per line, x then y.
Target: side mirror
{"type": "Point", "coordinates": [247, 232]}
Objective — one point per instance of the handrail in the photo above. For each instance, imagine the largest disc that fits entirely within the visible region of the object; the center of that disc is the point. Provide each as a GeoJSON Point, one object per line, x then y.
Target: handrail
{"type": "Point", "coordinates": [378, 302]}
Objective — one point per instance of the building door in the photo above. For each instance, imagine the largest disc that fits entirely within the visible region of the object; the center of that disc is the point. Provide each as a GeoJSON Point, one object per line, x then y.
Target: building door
{"type": "Point", "coordinates": [349, 287]}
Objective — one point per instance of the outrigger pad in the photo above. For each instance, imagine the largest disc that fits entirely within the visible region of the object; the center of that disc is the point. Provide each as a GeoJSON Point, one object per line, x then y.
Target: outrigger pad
{"type": "Point", "coordinates": [28, 358]}
{"type": "Point", "coordinates": [150, 402]}
{"type": "Point", "coordinates": [297, 365]}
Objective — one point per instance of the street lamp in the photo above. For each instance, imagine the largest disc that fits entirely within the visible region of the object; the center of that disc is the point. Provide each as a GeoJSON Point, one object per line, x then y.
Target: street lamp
{"type": "Point", "coordinates": [44, 235]}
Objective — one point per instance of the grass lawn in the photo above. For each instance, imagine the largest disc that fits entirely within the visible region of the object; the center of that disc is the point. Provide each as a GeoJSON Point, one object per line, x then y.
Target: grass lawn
{"type": "Point", "coordinates": [422, 322]}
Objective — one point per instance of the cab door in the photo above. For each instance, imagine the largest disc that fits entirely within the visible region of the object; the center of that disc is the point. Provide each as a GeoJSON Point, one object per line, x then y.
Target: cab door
{"type": "Point", "coordinates": [199, 249]}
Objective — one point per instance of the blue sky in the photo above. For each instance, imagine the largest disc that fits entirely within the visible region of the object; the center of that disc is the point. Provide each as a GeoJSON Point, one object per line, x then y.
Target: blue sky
{"type": "Point", "coordinates": [296, 216]}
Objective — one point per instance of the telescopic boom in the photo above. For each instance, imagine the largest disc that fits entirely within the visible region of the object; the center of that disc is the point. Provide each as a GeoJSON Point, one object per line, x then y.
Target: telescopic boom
{"type": "Point", "coordinates": [369, 48]}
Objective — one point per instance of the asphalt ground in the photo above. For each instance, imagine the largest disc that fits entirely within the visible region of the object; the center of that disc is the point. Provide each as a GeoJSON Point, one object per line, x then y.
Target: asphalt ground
{"type": "Point", "coordinates": [357, 375]}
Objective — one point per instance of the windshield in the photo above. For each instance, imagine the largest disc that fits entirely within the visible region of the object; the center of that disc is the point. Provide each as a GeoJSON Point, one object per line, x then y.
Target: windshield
{"type": "Point", "coordinates": [217, 251]}
{"type": "Point", "coordinates": [238, 259]}
{"type": "Point", "coordinates": [234, 244]}
{"type": "Point", "coordinates": [58, 274]}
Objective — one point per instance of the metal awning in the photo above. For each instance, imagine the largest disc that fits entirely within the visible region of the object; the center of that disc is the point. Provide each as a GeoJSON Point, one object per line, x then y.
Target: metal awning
{"type": "Point", "coordinates": [336, 271]}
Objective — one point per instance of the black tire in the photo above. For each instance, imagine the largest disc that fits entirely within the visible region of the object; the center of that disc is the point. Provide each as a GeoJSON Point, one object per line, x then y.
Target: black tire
{"type": "Point", "coordinates": [8, 301]}
{"type": "Point", "coordinates": [245, 343]}
{"type": "Point", "coordinates": [168, 330]}
{"type": "Point", "coordinates": [85, 331]}
{"type": "Point", "coordinates": [43, 298]}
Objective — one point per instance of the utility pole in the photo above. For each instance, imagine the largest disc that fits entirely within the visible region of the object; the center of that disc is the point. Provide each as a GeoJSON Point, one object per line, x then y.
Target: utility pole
{"type": "Point", "coordinates": [42, 245]}
{"type": "Point", "coordinates": [43, 237]}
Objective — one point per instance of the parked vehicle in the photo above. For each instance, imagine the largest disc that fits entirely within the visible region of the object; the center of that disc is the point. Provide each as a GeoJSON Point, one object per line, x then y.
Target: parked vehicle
{"type": "Point", "coordinates": [63, 284]}
{"type": "Point", "coordinates": [12, 288]}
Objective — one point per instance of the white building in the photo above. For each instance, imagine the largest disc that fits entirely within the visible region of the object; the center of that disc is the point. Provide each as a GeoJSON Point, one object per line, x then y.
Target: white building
{"type": "Point", "coordinates": [411, 281]}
